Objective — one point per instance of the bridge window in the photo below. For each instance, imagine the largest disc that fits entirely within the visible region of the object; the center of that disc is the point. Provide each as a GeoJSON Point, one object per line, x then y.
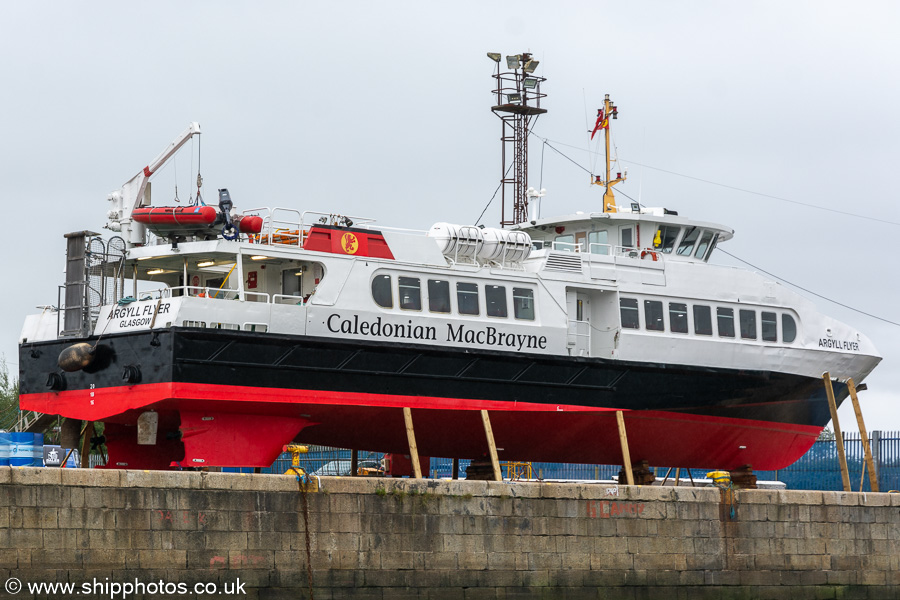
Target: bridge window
{"type": "Point", "coordinates": [703, 245]}
{"type": "Point", "coordinates": [725, 321]}
{"type": "Point", "coordinates": [495, 298]}
{"type": "Point", "coordinates": [769, 322]}
{"type": "Point", "coordinates": [687, 242]}
{"type": "Point", "coordinates": [665, 238]}
{"type": "Point", "coordinates": [748, 324]}
{"type": "Point", "coordinates": [523, 303]}
{"type": "Point", "coordinates": [678, 317]}
{"type": "Point", "coordinates": [438, 296]}
{"type": "Point", "coordinates": [381, 291]}
{"type": "Point", "coordinates": [628, 307]}
{"type": "Point", "coordinates": [410, 293]}
{"type": "Point", "coordinates": [653, 315]}
{"type": "Point", "coordinates": [467, 298]}
{"type": "Point", "coordinates": [702, 320]}
{"type": "Point", "coordinates": [788, 329]}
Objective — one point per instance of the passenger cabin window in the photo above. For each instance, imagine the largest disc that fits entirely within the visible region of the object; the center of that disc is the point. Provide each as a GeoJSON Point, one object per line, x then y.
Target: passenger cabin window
{"type": "Point", "coordinates": [769, 322]}
{"type": "Point", "coordinates": [788, 329]}
{"type": "Point", "coordinates": [703, 245]}
{"type": "Point", "coordinates": [467, 298]}
{"type": "Point", "coordinates": [702, 320]}
{"type": "Point", "coordinates": [598, 241]}
{"type": "Point", "coordinates": [664, 241]}
{"type": "Point", "coordinates": [686, 246]}
{"type": "Point", "coordinates": [566, 243]}
{"type": "Point", "coordinates": [653, 315]}
{"type": "Point", "coordinates": [381, 291]}
{"type": "Point", "coordinates": [495, 299]}
{"type": "Point", "coordinates": [748, 324]}
{"type": "Point", "coordinates": [725, 322]}
{"type": "Point", "coordinates": [523, 304]}
{"type": "Point", "coordinates": [678, 322]}
{"type": "Point", "coordinates": [410, 293]}
{"type": "Point", "coordinates": [628, 308]}
{"type": "Point", "coordinates": [438, 296]}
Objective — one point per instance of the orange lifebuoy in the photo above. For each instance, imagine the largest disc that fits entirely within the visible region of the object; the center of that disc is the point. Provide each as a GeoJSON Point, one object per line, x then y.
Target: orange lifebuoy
{"type": "Point", "coordinates": [651, 253]}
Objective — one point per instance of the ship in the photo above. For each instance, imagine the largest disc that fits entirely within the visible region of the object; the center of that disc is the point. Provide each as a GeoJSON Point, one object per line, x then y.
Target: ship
{"type": "Point", "coordinates": [208, 336]}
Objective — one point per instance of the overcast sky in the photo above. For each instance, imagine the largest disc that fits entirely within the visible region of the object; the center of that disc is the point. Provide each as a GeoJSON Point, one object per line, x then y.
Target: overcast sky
{"type": "Point", "coordinates": [383, 110]}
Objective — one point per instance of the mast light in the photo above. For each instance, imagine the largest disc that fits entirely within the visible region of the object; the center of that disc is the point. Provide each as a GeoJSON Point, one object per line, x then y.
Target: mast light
{"type": "Point", "coordinates": [530, 83]}
{"type": "Point", "coordinates": [494, 56]}
{"type": "Point", "coordinates": [531, 65]}
{"type": "Point", "coordinates": [512, 62]}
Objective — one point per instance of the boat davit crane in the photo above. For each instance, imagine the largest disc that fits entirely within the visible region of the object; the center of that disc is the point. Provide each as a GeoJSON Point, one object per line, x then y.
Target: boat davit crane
{"type": "Point", "coordinates": [131, 195]}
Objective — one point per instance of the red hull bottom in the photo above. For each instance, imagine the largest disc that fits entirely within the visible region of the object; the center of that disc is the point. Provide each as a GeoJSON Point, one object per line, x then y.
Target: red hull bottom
{"type": "Point", "coordinates": [239, 426]}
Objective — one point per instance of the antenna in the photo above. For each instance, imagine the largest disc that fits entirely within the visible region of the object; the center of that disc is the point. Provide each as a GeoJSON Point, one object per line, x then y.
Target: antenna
{"type": "Point", "coordinates": [517, 100]}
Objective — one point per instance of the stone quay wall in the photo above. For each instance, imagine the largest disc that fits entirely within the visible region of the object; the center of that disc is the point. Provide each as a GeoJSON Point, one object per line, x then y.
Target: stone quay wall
{"type": "Point", "coordinates": [246, 536]}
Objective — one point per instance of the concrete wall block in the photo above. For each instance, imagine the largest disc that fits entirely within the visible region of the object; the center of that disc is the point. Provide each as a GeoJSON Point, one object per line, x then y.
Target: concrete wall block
{"type": "Point", "coordinates": [35, 476]}
{"type": "Point", "coordinates": [616, 561]}
{"type": "Point", "coordinates": [807, 562]}
{"type": "Point", "coordinates": [22, 538]}
{"type": "Point", "coordinates": [546, 561]}
{"type": "Point", "coordinates": [840, 498]}
{"type": "Point", "coordinates": [656, 562]}
{"type": "Point", "coordinates": [54, 559]}
{"type": "Point", "coordinates": [343, 503]}
{"type": "Point", "coordinates": [64, 540]}
{"type": "Point", "coordinates": [162, 559]}
{"type": "Point", "coordinates": [23, 495]}
{"type": "Point", "coordinates": [765, 497]}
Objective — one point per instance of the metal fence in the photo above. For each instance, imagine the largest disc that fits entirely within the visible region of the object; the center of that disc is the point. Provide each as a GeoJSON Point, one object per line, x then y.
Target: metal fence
{"type": "Point", "coordinates": [818, 469]}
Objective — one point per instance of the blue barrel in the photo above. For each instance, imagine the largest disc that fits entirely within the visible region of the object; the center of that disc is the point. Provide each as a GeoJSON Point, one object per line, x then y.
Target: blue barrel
{"type": "Point", "coordinates": [4, 449]}
{"type": "Point", "coordinates": [37, 453]}
{"type": "Point", "coordinates": [21, 453]}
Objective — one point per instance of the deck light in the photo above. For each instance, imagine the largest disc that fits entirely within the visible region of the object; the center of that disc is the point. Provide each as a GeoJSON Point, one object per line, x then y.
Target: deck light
{"type": "Point", "coordinates": [155, 271]}
{"type": "Point", "coordinates": [512, 61]}
{"type": "Point", "coordinates": [494, 56]}
{"type": "Point", "coordinates": [530, 83]}
{"type": "Point", "coordinates": [258, 257]}
{"type": "Point", "coordinates": [206, 263]}
{"type": "Point", "coordinates": [145, 257]}
{"type": "Point", "coordinates": [531, 65]}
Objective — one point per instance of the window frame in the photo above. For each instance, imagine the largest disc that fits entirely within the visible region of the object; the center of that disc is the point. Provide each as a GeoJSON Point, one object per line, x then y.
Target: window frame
{"type": "Point", "coordinates": [637, 313]}
{"type": "Point", "coordinates": [516, 292]}
{"type": "Point", "coordinates": [431, 295]}
{"type": "Point", "coordinates": [728, 313]}
{"type": "Point", "coordinates": [660, 319]}
{"type": "Point", "coordinates": [417, 287]}
{"type": "Point", "coordinates": [460, 303]}
{"type": "Point", "coordinates": [489, 289]}
{"type": "Point", "coordinates": [390, 289]}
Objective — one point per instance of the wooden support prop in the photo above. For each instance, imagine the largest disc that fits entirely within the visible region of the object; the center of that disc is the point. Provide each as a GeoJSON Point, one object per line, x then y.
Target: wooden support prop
{"type": "Point", "coordinates": [626, 455]}
{"type": "Point", "coordinates": [413, 449]}
{"type": "Point", "coordinates": [492, 447]}
{"type": "Point", "coordinates": [873, 476]}
{"type": "Point", "coordinates": [839, 438]}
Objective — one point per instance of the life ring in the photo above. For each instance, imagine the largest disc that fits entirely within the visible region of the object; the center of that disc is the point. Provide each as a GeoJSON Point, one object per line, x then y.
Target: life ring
{"type": "Point", "coordinates": [653, 254]}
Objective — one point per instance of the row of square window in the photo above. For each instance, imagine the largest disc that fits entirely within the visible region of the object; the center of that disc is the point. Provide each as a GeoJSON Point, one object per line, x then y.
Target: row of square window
{"type": "Point", "coordinates": [467, 297]}
{"type": "Point", "coordinates": [703, 324]}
